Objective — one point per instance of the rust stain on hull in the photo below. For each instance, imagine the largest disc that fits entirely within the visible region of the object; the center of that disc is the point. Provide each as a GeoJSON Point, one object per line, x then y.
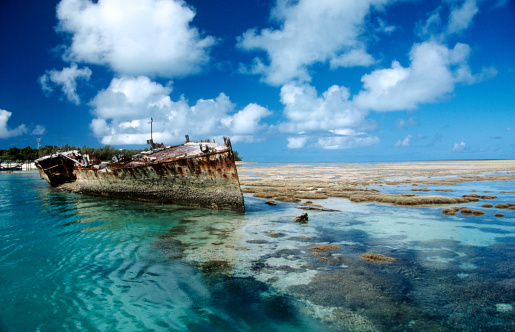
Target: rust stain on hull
{"type": "Point", "coordinates": [199, 174]}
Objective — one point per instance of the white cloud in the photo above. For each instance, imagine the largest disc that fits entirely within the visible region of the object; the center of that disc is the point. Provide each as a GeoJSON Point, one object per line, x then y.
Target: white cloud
{"type": "Point", "coordinates": [431, 26]}
{"type": "Point", "coordinates": [311, 31]}
{"type": "Point", "coordinates": [404, 142]}
{"type": "Point", "coordinates": [124, 109]}
{"type": "Point", "coordinates": [247, 121]}
{"type": "Point", "coordinates": [66, 79]}
{"type": "Point", "coordinates": [433, 73]}
{"type": "Point", "coordinates": [410, 122]}
{"type": "Point", "coordinates": [356, 57]}
{"type": "Point", "coordinates": [385, 27]}
{"type": "Point", "coordinates": [407, 141]}
{"type": "Point", "coordinates": [345, 142]}
{"type": "Point", "coordinates": [129, 97]}
{"type": "Point", "coordinates": [459, 147]}
{"type": "Point", "coordinates": [461, 18]}
{"type": "Point", "coordinates": [5, 132]}
{"type": "Point", "coordinates": [134, 37]}
{"type": "Point", "coordinates": [296, 142]}
{"type": "Point", "coordinates": [39, 130]}
{"type": "Point", "coordinates": [304, 110]}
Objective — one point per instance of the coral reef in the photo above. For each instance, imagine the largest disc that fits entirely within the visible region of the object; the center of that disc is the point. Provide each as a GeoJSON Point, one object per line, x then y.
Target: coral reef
{"type": "Point", "coordinates": [409, 199]}
{"type": "Point", "coordinates": [324, 247]}
{"type": "Point", "coordinates": [466, 211]}
{"type": "Point", "coordinates": [293, 184]}
{"type": "Point", "coordinates": [504, 205]}
{"type": "Point", "coordinates": [479, 196]}
{"type": "Point", "coordinates": [376, 258]}
{"type": "Point", "coordinates": [451, 211]}
{"type": "Point", "coordinates": [215, 266]}
{"type": "Point", "coordinates": [420, 189]}
{"type": "Point", "coordinates": [305, 238]}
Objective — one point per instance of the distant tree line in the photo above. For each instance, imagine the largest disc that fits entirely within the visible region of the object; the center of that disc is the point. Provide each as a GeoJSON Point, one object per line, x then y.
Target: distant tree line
{"type": "Point", "coordinates": [103, 153]}
{"type": "Point", "coordinates": [236, 156]}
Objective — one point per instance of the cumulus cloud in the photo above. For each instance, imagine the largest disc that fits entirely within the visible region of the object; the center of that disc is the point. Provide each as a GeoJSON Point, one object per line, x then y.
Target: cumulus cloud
{"type": "Point", "coordinates": [304, 110]}
{"type": "Point", "coordinates": [123, 111]}
{"type": "Point", "coordinates": [311, 31]}
{"type": "Point", "coordinates": [5, 132]}
{"type": "Point", "coordinates": [134, 37]}
{"type": "Point", "coordinates": [459, 147]}
{"type": "Point", "coordinates": [335, 119]}
{"type": "Point", "coordinates": [66, 79]}
{"type": "Point", "coordinates": [432, 74]}
{"type": "Point", "coordinates": [129, 97]}
{"type": "Point", "coordinates": [296, 142]}
{"type": "Point", "coordinates": [247, 121]}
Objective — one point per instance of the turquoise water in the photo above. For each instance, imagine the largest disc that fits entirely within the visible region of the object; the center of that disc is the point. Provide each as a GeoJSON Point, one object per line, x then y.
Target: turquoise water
{"type": "Point", "coordinates": [73, 262]}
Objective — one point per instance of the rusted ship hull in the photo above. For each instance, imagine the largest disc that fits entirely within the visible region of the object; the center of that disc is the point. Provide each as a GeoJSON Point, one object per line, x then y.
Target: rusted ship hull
{"type": "Point", "coordinates": [194, 174]}
{"type": "Point", "coordinates": [57, 169]}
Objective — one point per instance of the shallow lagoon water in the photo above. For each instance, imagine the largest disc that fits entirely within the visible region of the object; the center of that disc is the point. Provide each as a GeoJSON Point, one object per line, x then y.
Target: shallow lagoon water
{"type": "Point", "coordinates": [76, 262]}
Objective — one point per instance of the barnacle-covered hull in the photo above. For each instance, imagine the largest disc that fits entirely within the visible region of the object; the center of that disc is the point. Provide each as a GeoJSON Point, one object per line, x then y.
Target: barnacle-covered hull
{"type": "Point", "coordinates": [194, 174]}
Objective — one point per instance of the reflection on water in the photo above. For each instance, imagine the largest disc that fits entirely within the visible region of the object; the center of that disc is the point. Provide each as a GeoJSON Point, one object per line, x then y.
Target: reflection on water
{"type": "Point", "coordinates": [79, 262]}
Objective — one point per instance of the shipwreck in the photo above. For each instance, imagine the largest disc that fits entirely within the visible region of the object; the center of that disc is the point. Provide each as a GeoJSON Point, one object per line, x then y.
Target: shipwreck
{"type": "Point", "coordinates": [198, 174]}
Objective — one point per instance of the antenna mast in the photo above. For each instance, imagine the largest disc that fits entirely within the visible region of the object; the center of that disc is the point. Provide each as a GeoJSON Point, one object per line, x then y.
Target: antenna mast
{"type": "Point", "coordinates": [151, 140]}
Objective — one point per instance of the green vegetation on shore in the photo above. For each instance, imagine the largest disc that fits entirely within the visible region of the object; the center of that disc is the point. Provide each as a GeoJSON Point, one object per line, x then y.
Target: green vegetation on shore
{"type": "Point", "coordinates": [103, 153]}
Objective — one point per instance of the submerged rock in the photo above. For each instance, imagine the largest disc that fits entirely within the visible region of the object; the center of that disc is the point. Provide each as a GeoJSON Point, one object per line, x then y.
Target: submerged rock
{"type": "Point", "coordinates": [314, 207]}
{"type": "Point", "coordinates": [301, 218]}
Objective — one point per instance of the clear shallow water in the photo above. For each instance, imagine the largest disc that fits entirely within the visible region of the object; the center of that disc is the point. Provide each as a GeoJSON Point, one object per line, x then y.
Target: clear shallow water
{"type": "Point", "coordinates": [76, 262]}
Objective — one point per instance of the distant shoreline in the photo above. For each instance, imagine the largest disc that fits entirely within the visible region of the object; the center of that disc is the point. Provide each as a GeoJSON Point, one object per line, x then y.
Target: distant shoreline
{"type": "Point", "coordinates": [371, 162]}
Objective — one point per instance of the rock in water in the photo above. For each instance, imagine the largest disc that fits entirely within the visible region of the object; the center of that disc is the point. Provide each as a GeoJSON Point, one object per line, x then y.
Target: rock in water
{"type": "Point", "coordinates": [302, 218]}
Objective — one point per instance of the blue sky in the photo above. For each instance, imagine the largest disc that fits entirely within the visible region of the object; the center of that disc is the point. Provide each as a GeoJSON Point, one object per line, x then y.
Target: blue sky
{"type": "Point", "coordinates": [305, 80]}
